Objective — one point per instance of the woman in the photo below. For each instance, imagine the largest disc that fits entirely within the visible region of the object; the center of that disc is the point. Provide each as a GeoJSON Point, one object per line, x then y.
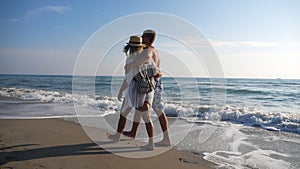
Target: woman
{"type": "Point", "coordinates": [140, 101]}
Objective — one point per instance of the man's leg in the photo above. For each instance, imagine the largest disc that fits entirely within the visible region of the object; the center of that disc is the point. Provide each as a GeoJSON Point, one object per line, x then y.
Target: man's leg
{"type": "Point", "coordinates": [149, 126]}
{"type": "Point", "coordinates": [158, 107]}
{"type": "Point", "coordinates": [164, 126]}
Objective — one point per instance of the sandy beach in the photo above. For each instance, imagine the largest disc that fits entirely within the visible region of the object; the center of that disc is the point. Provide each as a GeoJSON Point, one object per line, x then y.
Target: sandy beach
{"type": "Point", "coordinates": [56, 144]}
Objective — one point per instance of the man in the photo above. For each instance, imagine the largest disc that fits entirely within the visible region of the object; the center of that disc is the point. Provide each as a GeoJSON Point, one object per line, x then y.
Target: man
{"type": "Point", "coordinates": [157, 105]}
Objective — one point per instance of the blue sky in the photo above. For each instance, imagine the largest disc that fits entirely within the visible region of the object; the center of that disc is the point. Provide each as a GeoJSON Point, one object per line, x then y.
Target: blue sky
{"type": "Point", "coordinates": [256, 39]}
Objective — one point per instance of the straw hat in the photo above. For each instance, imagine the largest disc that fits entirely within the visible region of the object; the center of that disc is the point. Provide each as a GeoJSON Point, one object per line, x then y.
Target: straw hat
{"type": "Point", "coordinates": [136, 41]}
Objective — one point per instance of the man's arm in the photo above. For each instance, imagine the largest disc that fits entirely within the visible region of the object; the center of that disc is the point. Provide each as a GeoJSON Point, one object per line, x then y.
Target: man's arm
{"type": "Point", "coordinates": [156, 58]}
{"type": "Point", "coordinates": [144, 56]}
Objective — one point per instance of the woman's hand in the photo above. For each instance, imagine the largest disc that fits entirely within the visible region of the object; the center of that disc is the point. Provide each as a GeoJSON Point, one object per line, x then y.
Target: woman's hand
{"type": "Point", "coordinates": [120, 96]}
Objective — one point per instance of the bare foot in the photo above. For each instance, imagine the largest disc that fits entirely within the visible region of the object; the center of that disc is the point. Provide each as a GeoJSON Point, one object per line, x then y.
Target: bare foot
{"type": "Point", "coordinates": [163, 143]}
{"type": "Point", "coordinates": [128, 134]}
{"type": "Point", "coordinates": [147, 147]}
{"type": "Point", "coordinates": [113, 137]}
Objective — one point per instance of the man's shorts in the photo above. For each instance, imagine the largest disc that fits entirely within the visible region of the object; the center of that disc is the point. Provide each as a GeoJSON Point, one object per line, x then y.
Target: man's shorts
{"type": "Point", "coordinates": [158, 102]}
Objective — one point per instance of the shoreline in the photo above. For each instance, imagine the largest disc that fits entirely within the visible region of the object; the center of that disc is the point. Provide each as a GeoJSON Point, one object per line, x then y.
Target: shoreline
{"type": "Point", "coordinates": [57, 143]}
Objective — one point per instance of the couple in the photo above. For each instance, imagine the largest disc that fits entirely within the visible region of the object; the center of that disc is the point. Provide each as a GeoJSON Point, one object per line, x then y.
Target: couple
{"type": "Point", "coordinates": [142, 57]}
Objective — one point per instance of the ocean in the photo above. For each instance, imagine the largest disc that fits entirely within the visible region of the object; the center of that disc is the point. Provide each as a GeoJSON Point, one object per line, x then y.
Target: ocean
{"type": "Point", "coordinates": [235, 123]}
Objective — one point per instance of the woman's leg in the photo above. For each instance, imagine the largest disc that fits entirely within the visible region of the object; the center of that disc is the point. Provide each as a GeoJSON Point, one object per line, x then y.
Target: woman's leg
{"type": "Point", "coordinates": [135, 125]}
{"type": "Point", "coordinates": [136, 121]}
{"type": "Point", "coordinates": [121, 125]}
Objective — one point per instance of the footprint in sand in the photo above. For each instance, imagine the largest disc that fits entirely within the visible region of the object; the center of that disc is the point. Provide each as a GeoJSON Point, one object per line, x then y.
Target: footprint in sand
{"type": "Point", "coordinates": [186, 161]}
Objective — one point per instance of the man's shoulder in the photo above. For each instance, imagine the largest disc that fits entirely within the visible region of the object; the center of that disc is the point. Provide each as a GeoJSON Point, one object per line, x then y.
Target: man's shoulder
{"type": "Point", "coordinates": [149, 47]}
{"type": "Point", "coordinates": [152, 48]}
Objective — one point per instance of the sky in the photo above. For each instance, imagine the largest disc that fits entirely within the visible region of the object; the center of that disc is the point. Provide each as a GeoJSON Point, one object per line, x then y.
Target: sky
{"type": "Point", "coordinates": [252, 38]}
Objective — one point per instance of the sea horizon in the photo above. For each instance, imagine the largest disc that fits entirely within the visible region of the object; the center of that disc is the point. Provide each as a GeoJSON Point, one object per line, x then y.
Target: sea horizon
{"type": "Point", "coordinates": [200, 77]}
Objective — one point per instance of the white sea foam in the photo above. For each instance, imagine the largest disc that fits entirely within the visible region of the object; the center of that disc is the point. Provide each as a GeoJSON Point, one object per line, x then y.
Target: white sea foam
{"type": "Point", "coordinates": [255, 159]}
{"type": "Point", "coordinates": [235, 146]}
{"type": "Point", "coordinates": [60, 97]}
{"type": "Point", "coordinates": [243, 153]}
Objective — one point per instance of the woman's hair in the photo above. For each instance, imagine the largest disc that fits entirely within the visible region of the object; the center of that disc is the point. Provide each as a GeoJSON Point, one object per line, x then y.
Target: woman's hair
{"type": "Point", "coordinates": [128, 49]}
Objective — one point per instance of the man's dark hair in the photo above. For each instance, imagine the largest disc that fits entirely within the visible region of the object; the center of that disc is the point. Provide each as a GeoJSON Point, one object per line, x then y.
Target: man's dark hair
{"type": "Point", "coordinates": [151, 34]}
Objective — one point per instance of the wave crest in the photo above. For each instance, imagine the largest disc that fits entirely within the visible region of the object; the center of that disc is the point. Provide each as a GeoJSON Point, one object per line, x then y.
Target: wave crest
{"type": "Point", "coordinates": [284, 121]}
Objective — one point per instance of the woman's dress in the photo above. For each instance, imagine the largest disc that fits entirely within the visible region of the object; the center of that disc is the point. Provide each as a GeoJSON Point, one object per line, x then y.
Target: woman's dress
{"type": "Point", "coordinates": [132, 97]}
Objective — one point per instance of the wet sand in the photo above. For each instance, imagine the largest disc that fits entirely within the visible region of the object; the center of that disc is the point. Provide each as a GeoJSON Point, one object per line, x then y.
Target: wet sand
{"type": "Point", "coordinates": [56, 144]}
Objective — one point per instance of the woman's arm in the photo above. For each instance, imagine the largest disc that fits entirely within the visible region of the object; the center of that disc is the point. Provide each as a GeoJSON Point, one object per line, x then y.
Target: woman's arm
{"type": "Point", "coordinates": [123, 87]}
{"type": "Point", "coordinates": [144, 56]}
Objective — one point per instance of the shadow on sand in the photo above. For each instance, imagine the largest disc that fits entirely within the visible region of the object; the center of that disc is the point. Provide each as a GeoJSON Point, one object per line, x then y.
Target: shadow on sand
{"type": "Point", "coordinates": [29, 152]}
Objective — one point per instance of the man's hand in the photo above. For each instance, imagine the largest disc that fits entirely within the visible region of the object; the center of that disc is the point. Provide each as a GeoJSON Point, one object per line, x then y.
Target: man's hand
{"type": "Point", "coordinates": [159, 74]}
